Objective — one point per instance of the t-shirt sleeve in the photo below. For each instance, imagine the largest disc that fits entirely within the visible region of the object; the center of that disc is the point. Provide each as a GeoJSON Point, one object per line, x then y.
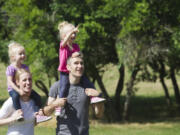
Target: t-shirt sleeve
{"type": "Point", "coordinates": [54, 89]}
{"type": "Point", "coordinates": [25, 67]}
{"type": "Point", "coordinates": [6, 109]}
{"type": "Point", "coordinates": [76, 47]}
{"type": "Point", "coordinates": [10, 71]}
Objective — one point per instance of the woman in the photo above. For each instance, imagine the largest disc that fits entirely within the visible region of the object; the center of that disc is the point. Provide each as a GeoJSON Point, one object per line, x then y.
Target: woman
{"type": "Point", "coordinates": [9, 116]}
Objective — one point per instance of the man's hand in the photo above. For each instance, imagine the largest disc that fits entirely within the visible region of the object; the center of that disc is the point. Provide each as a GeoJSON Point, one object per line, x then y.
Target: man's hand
{"type": "Point", "coordinates": [91, 92]}
{"type": "Point", "coordinates": [49, 109]}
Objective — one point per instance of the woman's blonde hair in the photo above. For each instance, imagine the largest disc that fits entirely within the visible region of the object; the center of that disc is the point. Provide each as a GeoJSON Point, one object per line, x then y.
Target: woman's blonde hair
{"type": "Point", "coordinates": [61, 28]}
{"type": "Point", "coordinates": [19, 72]}
{"type": "Point", "coordinates": [13, 47]}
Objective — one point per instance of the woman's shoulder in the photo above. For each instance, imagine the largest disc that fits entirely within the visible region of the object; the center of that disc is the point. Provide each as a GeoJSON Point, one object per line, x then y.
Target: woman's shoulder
{"type": "Point", "coordinates": [9, 101]}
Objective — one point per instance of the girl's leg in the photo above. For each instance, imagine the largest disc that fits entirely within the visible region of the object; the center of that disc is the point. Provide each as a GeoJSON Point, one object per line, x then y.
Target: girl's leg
{"type": "Point", "coordinates": [37, 99]}
{"type": "Point", "coordinates": [87, 84]}
{"type": "Point", "coordinates": [16, 103]}
{"type": "Point", "coordinates": [15, 98]}
{"type": "Point", "coordinates": [64, 84]}
{"type": "Point", "coordinates": [38, 104]}
{"type": "Point", "coordinates": [63, 89]}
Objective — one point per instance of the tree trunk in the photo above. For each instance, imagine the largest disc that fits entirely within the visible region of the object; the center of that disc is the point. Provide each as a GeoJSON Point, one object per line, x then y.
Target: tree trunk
{"type": "Point", "coordinates": [49, 80]}
{"type": "Point", "coordinates": [42, 87]}
{"type": "Point", "coordinates": [129, 89]}
{"type": "Point", "coordinates": [175, 85]}
{"type": "Point", "coordinates": [161, 76]}
{"type": "Point", "coordinates": [119, 89]}
{"type": "Point", "coordinates": [101, 85]}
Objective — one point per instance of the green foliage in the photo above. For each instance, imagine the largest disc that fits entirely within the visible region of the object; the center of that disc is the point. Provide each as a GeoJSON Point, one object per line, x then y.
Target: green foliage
{"type": "Point", "coordinates": [33, 28]}
{"type": "Point", "coordinates": [129, 32]}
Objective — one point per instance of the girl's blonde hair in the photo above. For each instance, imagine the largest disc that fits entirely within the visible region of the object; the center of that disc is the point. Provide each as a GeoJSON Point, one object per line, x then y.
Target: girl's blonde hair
{"type": "Point", "coordinates": [13, 47]}
{"type": "Point", "coordinates": [19, 72]}
{"type": "Point", "coordinates": [61, 28]}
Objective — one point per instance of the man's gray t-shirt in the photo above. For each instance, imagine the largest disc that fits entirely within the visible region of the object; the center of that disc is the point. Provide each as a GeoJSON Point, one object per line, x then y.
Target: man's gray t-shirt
{"type": "Point", "coordinates": [74, 116]}
{"type": "Point", "coordinates": [54, 90]}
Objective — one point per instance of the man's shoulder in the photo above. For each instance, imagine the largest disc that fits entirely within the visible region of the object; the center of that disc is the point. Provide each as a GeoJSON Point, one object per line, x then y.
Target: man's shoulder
{"type": "Point", "coordinates": [55, 85]}
{"type": "Point", "coordinates": [54, 89]}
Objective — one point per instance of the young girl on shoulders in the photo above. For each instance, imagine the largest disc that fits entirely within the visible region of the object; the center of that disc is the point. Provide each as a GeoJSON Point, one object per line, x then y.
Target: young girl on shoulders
{"type": "Point", "coordinates": [17, 56]}
{"type": "Point", "coordinates": [67, 48]}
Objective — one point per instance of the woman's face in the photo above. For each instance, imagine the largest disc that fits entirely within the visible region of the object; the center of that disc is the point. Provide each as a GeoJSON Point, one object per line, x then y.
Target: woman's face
{"type": "Point", "coordinates": [25, 83]}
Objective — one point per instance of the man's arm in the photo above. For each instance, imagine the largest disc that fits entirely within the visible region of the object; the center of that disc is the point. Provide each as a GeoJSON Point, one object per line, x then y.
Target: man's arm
{"type": "Point", "coordinates": [49, 109]}
{"type": "Point", "coordinates": [98, 109]}
{"type": "Point", "coordinates": [50, 100]}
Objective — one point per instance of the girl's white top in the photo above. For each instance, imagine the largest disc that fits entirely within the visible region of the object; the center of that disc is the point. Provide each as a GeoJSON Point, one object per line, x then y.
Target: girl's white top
{"type": "Point", "coordinates": [25, 127]}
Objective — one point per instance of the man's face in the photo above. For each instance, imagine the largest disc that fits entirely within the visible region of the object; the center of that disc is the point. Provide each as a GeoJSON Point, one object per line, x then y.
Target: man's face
{"type": "Point", "coordinates": [76, 67]}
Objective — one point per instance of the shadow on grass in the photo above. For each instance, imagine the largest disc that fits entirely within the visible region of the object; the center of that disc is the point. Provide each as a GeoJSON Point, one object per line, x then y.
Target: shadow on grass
{"type": "Point", "coordinates": [153, 109]}
{"type": "Point", "coordinates": [149, 109]}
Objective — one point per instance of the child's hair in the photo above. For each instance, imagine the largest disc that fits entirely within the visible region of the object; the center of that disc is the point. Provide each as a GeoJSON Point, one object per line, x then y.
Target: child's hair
{"type": "Point", "coordinates": [61, 28]}
{"type": "Point", "coordinates": [75, 55]}
{"type": "Point", "coordinates": [20, 72]}
{"type": "Point", "coordinates": [12, 49]}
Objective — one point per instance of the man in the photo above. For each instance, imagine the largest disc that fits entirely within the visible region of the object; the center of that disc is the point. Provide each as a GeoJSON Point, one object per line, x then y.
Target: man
{"type": "Point", "coordinates": [74, 117]}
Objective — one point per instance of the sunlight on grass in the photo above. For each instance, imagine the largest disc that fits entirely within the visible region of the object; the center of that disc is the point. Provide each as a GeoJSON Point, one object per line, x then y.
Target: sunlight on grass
{"type": "Point", "coordinates": [3, 83]}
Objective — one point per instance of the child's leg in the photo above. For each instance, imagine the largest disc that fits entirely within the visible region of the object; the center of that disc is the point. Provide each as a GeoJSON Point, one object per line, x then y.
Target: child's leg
{"type": "Point", "coordinates": [88, 85]}
{"type": "Point", "coordinates": [16, 103]}
{"type": "Point", "coordinates": [86, 82]}
{"type": "Point", "coordinates": [15, 98]}
{"type": "Point", "coordinates": [37, 99]}
{"type": "Point", "coordinates": [64, 83]}
{"type": "Point", "coordinates": [63, 89]}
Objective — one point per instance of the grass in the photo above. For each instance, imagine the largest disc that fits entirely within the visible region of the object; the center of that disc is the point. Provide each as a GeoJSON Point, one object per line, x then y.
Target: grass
{"type": "Point", "coordinates": [149, 113]}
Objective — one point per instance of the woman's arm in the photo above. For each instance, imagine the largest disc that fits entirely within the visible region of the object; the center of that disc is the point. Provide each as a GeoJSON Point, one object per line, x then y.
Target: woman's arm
{"type": "Point", "coordinates": [11, 119]}
{"type": "Point", "coordinates": [6, 113]}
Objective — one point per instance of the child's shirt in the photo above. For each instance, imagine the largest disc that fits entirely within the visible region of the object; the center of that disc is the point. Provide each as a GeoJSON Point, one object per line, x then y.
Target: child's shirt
{"type": "Point", "coordinates": [10, 71]}
{"type": "Point", "coordinates": [64, 54]}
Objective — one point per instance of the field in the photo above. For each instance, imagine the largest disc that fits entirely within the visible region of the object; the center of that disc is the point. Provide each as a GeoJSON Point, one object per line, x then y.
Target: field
{"type": "Point", "coordinates": [149, 113]}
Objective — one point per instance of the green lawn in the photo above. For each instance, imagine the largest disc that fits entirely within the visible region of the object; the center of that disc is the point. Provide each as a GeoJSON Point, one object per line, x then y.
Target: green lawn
{"type": "Point", "coordinates": [162, 128]}
{"type": "Point", "coordinates": [149, 114]}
